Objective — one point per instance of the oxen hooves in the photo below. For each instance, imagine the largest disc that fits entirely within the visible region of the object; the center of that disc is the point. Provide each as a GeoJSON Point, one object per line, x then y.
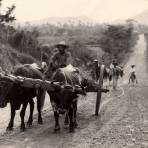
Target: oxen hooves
{"type": "Point", "coordinates": [22, 129]}
{"type": "Point", "coordinates": [56, 129]}
{"type": "Point", "coordinates": [40, 122]}
{"type": "Point", "coordinates": [71, 130]}
{"type": "Point", "coordinates": [9, 128]}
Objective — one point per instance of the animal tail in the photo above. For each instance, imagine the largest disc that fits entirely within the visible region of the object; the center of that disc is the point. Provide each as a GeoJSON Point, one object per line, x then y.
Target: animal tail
{"type": "Point", "coordinates": [42, 99]}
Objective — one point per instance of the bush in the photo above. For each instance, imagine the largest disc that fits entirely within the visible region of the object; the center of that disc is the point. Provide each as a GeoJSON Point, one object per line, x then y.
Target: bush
{"type": "Point", "coordinates": [26, 42]}
{"type": "Point", "coordinates": [81, 52]}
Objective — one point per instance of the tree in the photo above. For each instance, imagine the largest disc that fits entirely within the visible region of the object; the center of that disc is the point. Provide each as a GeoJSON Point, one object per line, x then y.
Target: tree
{"type": "Point", "coordinates": [116, 39]}
{"type": "Point", "coordinates": [8, 16]}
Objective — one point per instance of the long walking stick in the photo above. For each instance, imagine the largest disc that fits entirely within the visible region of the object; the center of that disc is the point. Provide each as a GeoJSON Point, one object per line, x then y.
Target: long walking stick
{"type": "Point", "coordinates": [99, 93]}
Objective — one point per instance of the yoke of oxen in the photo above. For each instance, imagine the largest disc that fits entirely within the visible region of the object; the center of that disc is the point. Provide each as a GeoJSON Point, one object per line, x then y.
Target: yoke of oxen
{"type": "Point", "coordinates": [68, 75]}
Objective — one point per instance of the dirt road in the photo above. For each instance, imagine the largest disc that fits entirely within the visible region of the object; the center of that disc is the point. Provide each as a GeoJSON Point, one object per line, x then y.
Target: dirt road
{"type": "Point", "coordinates": [123, 120]}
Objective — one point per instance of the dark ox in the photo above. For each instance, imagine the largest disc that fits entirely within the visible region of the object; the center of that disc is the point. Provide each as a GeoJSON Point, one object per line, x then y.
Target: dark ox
{"type": "Point", "coordinates": [117, 71]}
{"type": "Point", "coordinates": [65, 100]}
{"type": "Point", "coordinates": [18, 95]}
{"type": "Point", "coordinates": [109, 73]}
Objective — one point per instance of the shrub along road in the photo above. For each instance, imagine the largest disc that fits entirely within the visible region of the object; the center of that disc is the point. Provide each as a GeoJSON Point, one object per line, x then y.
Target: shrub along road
{"type": "Point", "coordinates": [123, 120]}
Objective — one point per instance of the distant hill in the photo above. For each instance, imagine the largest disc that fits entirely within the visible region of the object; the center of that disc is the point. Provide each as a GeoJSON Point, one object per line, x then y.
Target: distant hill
{"type": "Point", "coordinates": [118, 21]}
{"type": "Point", "coordinates": [63, 20]}
{"type": "Point", "coordinates": [142, 18]}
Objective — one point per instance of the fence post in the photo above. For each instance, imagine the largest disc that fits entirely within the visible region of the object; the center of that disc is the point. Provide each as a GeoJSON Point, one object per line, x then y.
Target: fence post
{"type": "Point", "coordinates": [99, 93]}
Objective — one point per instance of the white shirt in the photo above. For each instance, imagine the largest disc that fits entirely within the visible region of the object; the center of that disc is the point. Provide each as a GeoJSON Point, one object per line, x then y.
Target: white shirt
{"type": "Point", "coordinates": [111, 66]}
{"type": "Point", "coordinates": [132, 70]}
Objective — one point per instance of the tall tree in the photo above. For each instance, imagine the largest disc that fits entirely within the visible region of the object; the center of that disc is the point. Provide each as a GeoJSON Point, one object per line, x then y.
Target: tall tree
{"type": "Point", "coordinates": [8, 16]}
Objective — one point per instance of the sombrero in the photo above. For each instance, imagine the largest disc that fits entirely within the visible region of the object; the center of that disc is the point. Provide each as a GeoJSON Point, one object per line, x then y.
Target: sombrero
{"type": "Point", "coordinates": [95, 60]}
{"type": "Point", "coordinates": [62, 43]}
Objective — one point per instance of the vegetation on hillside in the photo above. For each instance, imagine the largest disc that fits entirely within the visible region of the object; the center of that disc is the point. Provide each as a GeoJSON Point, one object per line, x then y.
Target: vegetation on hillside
{"type": "Point", "coordinates": [5, 20]}
{"type": "Point", "coordinates": [9, 56]}
{"type": "Point", "coordinates": [35, 42]}
{"type": "Point", "coordinates": [114, 40]}
{"type": "Point", "coordinates": [118, 40]}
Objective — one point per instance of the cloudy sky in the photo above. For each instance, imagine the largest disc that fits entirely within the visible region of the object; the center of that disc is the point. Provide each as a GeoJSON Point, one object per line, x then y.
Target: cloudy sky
{"type": "Point", "coordinates": [100, 10]}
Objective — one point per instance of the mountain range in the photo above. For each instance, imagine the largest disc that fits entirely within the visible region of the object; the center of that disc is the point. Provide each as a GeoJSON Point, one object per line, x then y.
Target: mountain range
{"type": "Point", "coordinates": [62, 20]}
{"type": "Point", "coordinates": [141, 18]}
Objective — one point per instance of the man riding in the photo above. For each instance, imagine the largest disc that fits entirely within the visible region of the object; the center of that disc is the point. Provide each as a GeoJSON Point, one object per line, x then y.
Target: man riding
{"type": "Point", "coordinates": [61, 58]}
{"type": "Point", "coordinates": [113, 66]}
{"type": "Point", "coordinates": [133, 73]}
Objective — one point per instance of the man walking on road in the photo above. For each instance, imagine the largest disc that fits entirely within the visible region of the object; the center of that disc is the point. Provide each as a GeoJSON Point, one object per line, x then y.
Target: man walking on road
{"type": "Point", "coordinates": [132, 75]}
{"type": "Point", "coordinates": [113, 66]}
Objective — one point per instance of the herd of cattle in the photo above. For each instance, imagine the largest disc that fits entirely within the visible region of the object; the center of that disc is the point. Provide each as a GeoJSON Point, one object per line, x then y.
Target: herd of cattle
{"type": "Point", "coordinates": [63, 99]}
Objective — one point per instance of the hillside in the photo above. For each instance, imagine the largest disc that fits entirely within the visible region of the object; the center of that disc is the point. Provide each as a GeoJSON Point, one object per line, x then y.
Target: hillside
{"type": "Point", "coordinates": [10, 57]}
{"type": "Point", "coordinates": [85, 43]}
{"type": "Point", "coordinates": [142, 18]}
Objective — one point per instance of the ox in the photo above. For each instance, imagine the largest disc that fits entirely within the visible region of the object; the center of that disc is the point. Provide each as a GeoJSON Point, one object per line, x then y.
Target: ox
{"type": "Point", "coordinates": [115, 73]}
{"type": "Point", "coordinates": [65, 100]}
{"type": "Point", "coordinates": [18, 95]}
{"type": "Point", "coordinates": [109, 73]}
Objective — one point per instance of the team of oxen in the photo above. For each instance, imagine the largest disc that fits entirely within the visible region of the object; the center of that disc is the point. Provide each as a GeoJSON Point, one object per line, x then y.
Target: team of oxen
{"type": "Point", "coordinates": [67, 84]}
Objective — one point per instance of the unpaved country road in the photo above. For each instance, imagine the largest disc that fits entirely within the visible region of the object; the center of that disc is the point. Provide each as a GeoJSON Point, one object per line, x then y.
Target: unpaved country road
{"type": "Point", "coordinates": [123, 120]}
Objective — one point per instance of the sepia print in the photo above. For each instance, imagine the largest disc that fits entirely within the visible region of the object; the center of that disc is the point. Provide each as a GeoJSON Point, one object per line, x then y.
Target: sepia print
{"type": "Point", "coordinates": [74, 73]}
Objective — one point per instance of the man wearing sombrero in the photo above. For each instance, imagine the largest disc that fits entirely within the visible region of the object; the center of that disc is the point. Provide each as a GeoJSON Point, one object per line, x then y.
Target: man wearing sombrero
{"type": "Point", "coordinates": [61, 58]}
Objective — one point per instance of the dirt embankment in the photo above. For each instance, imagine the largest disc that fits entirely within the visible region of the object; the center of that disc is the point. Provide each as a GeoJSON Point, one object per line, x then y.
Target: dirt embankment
{"type": "Point", "coordinates": [10, 57]}
{"type": "Point", "coordinates": [123, 120]}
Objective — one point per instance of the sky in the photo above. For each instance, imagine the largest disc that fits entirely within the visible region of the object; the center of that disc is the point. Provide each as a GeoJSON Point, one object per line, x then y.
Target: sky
{"type": "Point", "coordinates": [100, 10]}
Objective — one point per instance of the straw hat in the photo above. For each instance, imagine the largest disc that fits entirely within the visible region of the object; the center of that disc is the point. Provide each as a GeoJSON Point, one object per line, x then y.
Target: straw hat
{"type": "Point", "coordinates": [62, 43]}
